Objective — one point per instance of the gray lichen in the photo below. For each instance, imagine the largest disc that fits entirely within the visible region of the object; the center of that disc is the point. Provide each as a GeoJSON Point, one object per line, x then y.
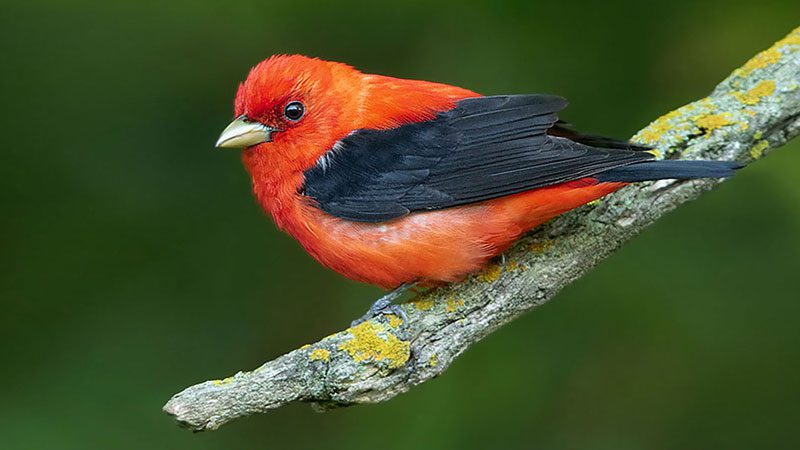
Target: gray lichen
{"type": "Point", "coordinates": [753, 111]}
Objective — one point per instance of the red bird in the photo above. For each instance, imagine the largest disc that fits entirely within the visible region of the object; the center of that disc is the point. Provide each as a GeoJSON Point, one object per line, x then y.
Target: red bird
{"type": "Point", "coordinates": [396, 182]}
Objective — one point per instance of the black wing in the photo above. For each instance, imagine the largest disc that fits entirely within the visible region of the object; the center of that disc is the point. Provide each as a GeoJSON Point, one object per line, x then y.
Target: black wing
{"type": "Point", "coordinates": [484, 148]}
{"type": "Point", "coordinates": [566, 130]}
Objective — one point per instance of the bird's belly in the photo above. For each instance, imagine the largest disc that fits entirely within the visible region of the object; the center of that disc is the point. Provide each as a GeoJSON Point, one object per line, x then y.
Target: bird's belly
{"type": "Point", "coordinates": [430, 247]}
{"type": "Point", "coordinates": [435, 246]}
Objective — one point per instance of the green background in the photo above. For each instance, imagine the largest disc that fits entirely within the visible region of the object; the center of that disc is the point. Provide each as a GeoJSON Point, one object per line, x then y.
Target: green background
{"type": "Point", "coordinates": [134, 261]}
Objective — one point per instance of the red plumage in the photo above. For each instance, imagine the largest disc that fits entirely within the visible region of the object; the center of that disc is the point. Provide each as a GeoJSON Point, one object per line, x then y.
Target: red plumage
{"type": "Point", "coordinates": [428, 247]}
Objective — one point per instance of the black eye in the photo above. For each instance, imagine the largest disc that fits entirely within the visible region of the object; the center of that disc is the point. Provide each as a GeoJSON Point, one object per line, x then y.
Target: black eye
{"type": "Point", "coordinates": [294, 111]}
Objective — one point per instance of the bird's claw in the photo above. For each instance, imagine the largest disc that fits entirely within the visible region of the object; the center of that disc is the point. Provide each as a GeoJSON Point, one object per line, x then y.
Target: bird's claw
{"type": "Point", "coordinates": [385, 310]}
{"type": "Point", "coordinates": [385, 306]}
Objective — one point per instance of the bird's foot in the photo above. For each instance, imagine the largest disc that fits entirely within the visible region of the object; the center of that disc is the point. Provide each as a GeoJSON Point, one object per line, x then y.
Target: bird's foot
{"type": "Point", "coordinates": [390, 309]}
{"type": "Point", "coordinates": [385, 306]}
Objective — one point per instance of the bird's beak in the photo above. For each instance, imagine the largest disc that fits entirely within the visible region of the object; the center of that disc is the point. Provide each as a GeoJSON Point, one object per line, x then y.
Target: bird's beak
{"type": "Point", "coordinates": [243, 133]}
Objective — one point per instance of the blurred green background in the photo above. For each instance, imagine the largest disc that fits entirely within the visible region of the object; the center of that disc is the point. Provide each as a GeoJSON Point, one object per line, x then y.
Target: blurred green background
{"type": "Point", "coordinates": [134, 261]}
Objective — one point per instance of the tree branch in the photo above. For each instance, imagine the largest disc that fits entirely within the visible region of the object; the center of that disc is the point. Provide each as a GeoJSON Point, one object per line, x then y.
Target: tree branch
{"type": "Point", "coordinates": [754, 110]}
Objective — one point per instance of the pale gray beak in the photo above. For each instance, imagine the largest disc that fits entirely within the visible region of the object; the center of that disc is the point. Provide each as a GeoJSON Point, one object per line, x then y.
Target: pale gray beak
{"type": "Point", "coordinates": [243, 133]}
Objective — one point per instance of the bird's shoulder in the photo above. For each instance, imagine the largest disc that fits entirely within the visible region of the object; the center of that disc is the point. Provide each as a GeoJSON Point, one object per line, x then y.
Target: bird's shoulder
{"type": "Point", "coordinates": [388, 102]}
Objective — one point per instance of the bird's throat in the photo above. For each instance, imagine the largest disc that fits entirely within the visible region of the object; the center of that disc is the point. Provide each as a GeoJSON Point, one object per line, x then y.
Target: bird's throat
{"type": "Point", "coordinates": [275, 187]}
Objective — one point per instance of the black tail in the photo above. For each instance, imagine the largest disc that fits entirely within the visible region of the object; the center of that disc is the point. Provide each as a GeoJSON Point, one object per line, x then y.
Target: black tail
{"type": "Point", "coordinates": [677, 169]}
{"type": "Point", "coordinates": [565, 129]}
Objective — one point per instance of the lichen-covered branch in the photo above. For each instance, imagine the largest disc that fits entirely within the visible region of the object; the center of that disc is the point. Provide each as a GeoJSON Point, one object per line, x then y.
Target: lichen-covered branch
{"type": "Point", "coordinates": [753, 111]}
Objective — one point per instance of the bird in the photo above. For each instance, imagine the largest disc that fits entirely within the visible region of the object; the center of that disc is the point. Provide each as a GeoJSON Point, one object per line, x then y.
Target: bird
{"type": "Point", "coordinates": [399, 183]}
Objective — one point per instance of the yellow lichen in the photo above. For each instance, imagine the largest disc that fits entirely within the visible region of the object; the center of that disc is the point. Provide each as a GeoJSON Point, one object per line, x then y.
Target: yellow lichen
{"type": "Point", "coordinates": [769, 56]}
{"type": "Point", "coordinates": [320, 354]}
{"type": "Point", "coordinates": [705, 103]}
{"type": "Point", "coordinates": [491, 274]}
{"type": "Point", "coordinates": [305, 346]}
{"type": "Point", "coordinates": [513, 265]}
{"type": "Point", "coordinates": [423, 304]}
{"type": "Point", "coordinates": [758, 150]}
{"type": "Point", "coordinates": [792, 39]}
{"type": "Point", "coordinates": [540, 246]}
{"type": "Point", "coordinates": [712, 121]}
{"type": "Point", "coordinates": [222, 382]}
{"type": "Point", "coordinates": [656, 130]}
{"type": "Point", "coordinates": [433, 361]}
{"type": "Point", "coordinates": [453, 304]}
{"type": "Point", "coordinates": [654, 152]}
{"type": "Point", "coordinates": [754, 95]}
{"type": "Point", "coordinates": [653, 133]}
{"type": "Point", "coordinates": [372, 341]}
{"type": "Point", "coordinates": [761, 60]}
{"type": "Point", "coordinates": [394, 321]}
{"type": "Point", "coordinates": [758, 135]}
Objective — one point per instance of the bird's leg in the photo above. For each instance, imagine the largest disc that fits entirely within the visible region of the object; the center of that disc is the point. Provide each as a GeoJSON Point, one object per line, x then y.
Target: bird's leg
{"type": "Point", "coordinates": [386, 305]}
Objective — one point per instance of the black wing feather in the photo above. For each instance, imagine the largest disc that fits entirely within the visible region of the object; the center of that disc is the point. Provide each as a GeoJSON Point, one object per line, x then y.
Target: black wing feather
{"type": "Point", "coordinates": [484, 148]}
{"type": "Point", "coordinates": [566, 130]}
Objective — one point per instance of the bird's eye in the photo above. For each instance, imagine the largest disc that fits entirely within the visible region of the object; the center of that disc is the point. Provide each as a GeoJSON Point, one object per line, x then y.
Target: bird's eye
{"type": "Point", "coordinates": [294, 111]}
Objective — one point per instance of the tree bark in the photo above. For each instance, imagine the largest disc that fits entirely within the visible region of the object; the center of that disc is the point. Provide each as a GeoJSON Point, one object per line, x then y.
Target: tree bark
{"type": "Point", "coordinates": [756, 109]}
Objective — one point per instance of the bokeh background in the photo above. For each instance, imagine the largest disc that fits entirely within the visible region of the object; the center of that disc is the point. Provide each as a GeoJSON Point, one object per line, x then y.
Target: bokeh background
{"type": "Point", "coordinates": [134, 262]}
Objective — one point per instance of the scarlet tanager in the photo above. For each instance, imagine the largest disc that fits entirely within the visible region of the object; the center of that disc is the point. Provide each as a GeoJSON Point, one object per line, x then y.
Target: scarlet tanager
{"type": "Point", "coordinates": [396, 182]}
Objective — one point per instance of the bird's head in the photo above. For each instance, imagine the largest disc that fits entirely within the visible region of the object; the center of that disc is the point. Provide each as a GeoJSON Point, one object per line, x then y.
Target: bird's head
{"type": "Point", "coordinates": [293, 105]}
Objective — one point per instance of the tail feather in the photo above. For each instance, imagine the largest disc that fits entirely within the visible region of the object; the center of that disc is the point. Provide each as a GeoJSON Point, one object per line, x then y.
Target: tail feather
{"type": "Point", "coordinates": [566, 130]}
{"type": "Point", "coordinates": [669, 169]}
